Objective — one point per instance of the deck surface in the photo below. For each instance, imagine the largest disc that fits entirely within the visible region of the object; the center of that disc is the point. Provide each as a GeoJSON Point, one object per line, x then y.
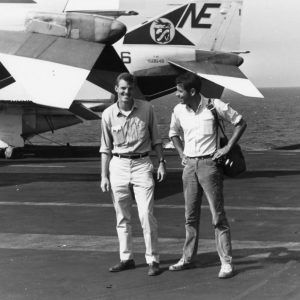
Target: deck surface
{"type": "Point", "coordinates": [58, 237]}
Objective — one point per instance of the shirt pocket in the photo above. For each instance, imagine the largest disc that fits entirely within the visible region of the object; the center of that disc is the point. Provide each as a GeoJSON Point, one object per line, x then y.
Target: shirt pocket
{"type": "Point", "coordinates": [141, 129]}
{"type": "Point", "coordinates": [136, 130]}
{"type": "Point", "coordinates": [118, 135]}
{"type": "Point", "coordinates": [206, 125]}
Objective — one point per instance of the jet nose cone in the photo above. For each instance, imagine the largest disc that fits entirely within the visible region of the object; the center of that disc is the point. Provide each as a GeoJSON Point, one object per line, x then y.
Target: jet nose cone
{"type": "Point", "coordinates": [108, 30]}
{"type": "Point", "coordinates": [117, 31]}
{"type": "Point", "coordinates": [240, 60]}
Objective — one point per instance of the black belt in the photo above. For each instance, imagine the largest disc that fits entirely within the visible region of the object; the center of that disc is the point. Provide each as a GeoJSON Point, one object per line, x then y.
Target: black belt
{"type": "Point", "coordinates": [131, 156]}
{"type": "Point", "coordinates": [201, 157]}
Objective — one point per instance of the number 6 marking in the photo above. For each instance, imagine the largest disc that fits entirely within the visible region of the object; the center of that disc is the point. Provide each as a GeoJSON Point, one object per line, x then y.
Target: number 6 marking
{"type": "Point", "coordinates": [125, 56]}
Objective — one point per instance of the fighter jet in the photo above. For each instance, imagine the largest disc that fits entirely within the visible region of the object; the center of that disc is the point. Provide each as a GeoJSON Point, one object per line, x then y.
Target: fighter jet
{"type": "Point", "coordinates": [48, 49]}
{"type": "Point", "coordinates": [69, 42]}
{"type": "Point", "coordinates": [200, 36]}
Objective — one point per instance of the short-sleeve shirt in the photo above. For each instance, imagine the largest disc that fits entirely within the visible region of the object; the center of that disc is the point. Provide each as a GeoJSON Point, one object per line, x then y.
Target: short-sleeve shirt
{"type": "Point", "coordinates": [135, 133]}
{"type": "Point", "coordinates": [198, 128]}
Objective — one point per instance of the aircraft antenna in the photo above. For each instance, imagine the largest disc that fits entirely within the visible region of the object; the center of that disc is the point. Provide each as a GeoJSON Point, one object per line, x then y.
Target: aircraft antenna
{"type": "Point", "coordinates": [66, 5]}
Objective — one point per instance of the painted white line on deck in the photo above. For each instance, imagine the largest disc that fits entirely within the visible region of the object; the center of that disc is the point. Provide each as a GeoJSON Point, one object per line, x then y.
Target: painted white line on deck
{"type": "Point", "coordinates": [59, 204]}
{"type": "Point", "coordinates": [254, 153]}
{"type": "Point", "coordinates": [248, 170]}
{"type": "Point", "coordinates": [166, 206]}
{"type": "Point", "coordinates": [110, 243]}
{"type": "Point", "coordinates": [37, 166]}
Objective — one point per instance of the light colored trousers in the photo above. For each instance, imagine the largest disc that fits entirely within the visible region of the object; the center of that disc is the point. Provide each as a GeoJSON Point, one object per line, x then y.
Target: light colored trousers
{"type": "Point", "coordinates": [203, 175]}
{"type": "Point", "coordinates": [135, 176]}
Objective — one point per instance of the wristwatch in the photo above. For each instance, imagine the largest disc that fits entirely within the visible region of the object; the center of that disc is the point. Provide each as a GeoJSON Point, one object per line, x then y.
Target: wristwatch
{"type": "Point", "coordinates": [162, 160]}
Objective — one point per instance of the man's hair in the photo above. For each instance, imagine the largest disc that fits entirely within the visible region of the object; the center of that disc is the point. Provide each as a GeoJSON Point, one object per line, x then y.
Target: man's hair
{"type": "Point", "coordinates": [189, 80]}
{"type": "Point", "coordinates": [126, 77]}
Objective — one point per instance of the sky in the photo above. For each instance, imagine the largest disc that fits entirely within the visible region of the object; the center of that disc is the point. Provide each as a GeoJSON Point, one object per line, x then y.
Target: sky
{"type": "Point", "coordinates": [270, 30]}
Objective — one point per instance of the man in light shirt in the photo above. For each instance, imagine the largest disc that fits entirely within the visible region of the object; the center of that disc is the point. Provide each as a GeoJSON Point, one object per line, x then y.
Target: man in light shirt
{"type": "Point", "coordinates": [195, 123]}
{"type": "Point", "coordinates": [128, 133]}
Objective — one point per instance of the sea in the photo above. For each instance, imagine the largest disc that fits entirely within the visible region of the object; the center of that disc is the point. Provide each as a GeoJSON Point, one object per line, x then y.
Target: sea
{"type": "Point", "coordinates": [273, 122]}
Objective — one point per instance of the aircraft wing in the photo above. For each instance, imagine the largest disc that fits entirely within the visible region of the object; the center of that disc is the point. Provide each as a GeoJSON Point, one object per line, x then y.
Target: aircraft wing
{"type": "Point", "coordinates": [5, 77]}
{"type": "Point", "coordinates": [224, 75]}
{"type": "Point", "coordinates": [108, 13]}
{"type": "Point", "coordinates": [37, 118]}
{"type": "Point", "coordinates": [52, 69]}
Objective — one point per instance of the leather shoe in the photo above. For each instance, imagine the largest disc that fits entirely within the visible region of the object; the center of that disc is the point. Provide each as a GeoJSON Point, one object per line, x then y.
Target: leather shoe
{"type": "Point", "coordinates": [123, 265]}
{"type": "Point", "coordinates": [154, 269]}
{"type": "Point", "coordinates": [181, 265]}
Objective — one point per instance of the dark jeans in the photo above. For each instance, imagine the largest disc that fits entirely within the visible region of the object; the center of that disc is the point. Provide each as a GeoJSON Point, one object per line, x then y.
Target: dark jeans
{"type": "Point", "coordinates": [203, 175]}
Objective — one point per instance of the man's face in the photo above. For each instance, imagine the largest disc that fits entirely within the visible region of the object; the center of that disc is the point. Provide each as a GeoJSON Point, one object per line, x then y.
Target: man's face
{"type": "Point", "coordinates": [124, 90]}
{"type": "Point", "coordinates": [183, 94]}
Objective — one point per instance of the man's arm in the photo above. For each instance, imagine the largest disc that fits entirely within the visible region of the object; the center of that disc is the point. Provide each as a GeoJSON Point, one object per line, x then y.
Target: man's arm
{"type": "Point", "coordinates": [174, 135]}
{"type": "Point", "coordinates": [157, 145]}
{"type": "Point", "coordinates": [105, 183]}
{"type": "Point", "coordinates": [105, 149]}
{"type": "Point", "coordinates": [177, 142]}
{"type": "Point", "coordinates": [236, 135]}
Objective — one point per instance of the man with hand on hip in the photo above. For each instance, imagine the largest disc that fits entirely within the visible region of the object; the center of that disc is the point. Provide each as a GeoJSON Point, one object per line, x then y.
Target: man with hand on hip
{"type": "Point", "coordinates": [202, 172]}
{"type": "Point", "coordinates": [128, 133]}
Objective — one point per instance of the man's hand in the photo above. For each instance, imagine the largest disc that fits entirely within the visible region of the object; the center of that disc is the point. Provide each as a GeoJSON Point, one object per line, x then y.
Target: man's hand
{"type": "Point", "coordinates": [161, 172]}
{"type": "Point", "coordinates": [105, 184]}
{"type": "Point", "coordinates": [221, 152]}
{"type": "Point", "coordinates": [237, 133]}
{"type": "Point", "coordinates": [183, 160]}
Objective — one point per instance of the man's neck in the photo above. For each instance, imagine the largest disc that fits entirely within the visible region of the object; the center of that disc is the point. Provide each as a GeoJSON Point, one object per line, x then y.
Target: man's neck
{"type": "Point", "coordinates": [195, 103]}
{"type": "Point", "coordinates": [126, 106]}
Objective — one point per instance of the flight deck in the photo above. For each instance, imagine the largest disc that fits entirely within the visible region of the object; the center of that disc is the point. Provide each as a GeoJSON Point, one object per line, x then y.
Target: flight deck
{"type": "Point", "coordinates": [58, 236]}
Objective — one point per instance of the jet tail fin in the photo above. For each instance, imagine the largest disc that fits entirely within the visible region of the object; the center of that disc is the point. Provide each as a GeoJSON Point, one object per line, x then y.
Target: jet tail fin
{"type": "Point", "coordinates": [204, 24]}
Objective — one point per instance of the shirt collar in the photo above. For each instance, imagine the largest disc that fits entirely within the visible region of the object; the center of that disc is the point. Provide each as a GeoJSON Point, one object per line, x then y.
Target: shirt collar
{"type": "Point", "coordinates": [117, 111]}
{"type": "Point", "coordinates": [202, 104]}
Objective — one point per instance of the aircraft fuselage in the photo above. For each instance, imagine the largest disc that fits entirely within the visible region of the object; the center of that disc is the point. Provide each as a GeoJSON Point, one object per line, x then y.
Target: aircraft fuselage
{"type": "Point", "coordinates": [139, 57]}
